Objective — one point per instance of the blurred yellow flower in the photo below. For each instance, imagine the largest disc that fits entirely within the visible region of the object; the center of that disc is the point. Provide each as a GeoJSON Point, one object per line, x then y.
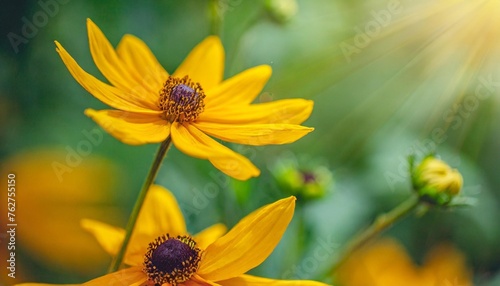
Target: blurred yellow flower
{"type": "Point", "coordinates": [436, 180]}
{"type": "Point", "coordinates": [150, 104]}
{"type": "Point", "coordinates": [48, 211]}
{"type": "Point", "coordinates": [161, 251]}
{"type": "Point", "coordinates": [386, 263]}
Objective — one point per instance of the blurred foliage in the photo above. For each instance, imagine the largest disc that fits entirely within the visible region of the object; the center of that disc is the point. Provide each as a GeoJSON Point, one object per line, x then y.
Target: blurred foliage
{"type": "Point", "coordinates": [409, 87]}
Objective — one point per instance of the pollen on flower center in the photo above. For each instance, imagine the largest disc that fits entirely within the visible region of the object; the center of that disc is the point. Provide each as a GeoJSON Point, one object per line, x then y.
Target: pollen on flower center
{"type": "Point", "coordinates": [181, 99]}
{"type": "Point", "coordinates": [171, 260]}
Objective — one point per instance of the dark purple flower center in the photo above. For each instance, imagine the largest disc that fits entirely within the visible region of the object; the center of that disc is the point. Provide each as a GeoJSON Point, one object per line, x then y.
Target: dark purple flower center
{"type": "Point", "coordinates": [183, 94]}
{"type": "Point", "coordinates": [181, 99]}
{"type": "Point", "coordinates": [171, 260]}
{"type": "Point", "coordinates": [171, 255]}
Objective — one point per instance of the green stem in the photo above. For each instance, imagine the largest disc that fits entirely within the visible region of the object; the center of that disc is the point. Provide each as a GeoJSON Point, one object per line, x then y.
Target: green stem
{"type": "Point", "coordinates": [381, 223]}
{"type": "Point", "coordinates": [160, 154]}
{"type": "Point", "coordinates": [215, 17]}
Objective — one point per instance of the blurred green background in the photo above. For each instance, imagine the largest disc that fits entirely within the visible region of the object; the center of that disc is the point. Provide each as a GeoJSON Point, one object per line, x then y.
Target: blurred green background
{"type": "Point", "coordinates": [388, 78]}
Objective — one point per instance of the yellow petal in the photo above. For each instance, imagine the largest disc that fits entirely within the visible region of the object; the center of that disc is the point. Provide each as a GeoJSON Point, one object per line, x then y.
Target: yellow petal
{"type": "Point", "coordinates": [109, 237]}
{"type": "Point", "coordinates": [209, 235]}
{"type": "Point", "coordinates": [44, 284]}
{"type": "Point", "coordinates": [205, 63]}
{"type": "Point", "coordinates": [248, 280]}
{"type": "Point", "coordinates": [110, 95]}
{"type": "Point", "coordinates": [116, 71]}
{"type": "Point", "coordinates": [132, 276]}
{"type": "Point", "coordinates": [139, 59]}
{"type": "Point", "coordinates": [131, 128]}
{"type": "Point", "coordinates": [126, 277]}
{"type": "Point", "coordinates": [255, 134]}
{"type": "Point", "coordinates": [249, 243]}
{"type": "Point", "coordinates": [160, 214]}
{"type": "Point", "coordinates": [291, 111]}
{"type": "Point", "coordinates": [240, 89]}
{"type": "Point", "coordinates": [193, 142]}
{"type": "Point", "coordinates": [196, 280]}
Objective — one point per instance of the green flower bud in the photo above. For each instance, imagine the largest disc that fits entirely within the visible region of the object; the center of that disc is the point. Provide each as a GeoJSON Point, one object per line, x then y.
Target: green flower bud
{"type": "Point", "coordinates": [435, 180]}
{"type": "Point", "coordinates": [304, 183]}
{"type": "Point", "coordinates": [282, 10]}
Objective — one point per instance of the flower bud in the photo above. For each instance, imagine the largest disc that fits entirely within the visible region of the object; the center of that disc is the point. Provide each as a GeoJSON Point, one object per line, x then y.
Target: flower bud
{"type": "Point", "coordinates": [435, 180]}
{"type": "Point", "coordinates": [304, 183]}
{"type": "Point", "coordinates": [282, 10]}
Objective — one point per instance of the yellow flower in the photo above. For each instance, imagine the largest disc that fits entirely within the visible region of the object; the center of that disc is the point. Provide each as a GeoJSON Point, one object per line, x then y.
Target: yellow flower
{"type": "Point", "coordinates": [386, 263]}
{"type": "Point", "coordinates": [189, 105]}
{"type": "Point", "coordinates": [161, 251]}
